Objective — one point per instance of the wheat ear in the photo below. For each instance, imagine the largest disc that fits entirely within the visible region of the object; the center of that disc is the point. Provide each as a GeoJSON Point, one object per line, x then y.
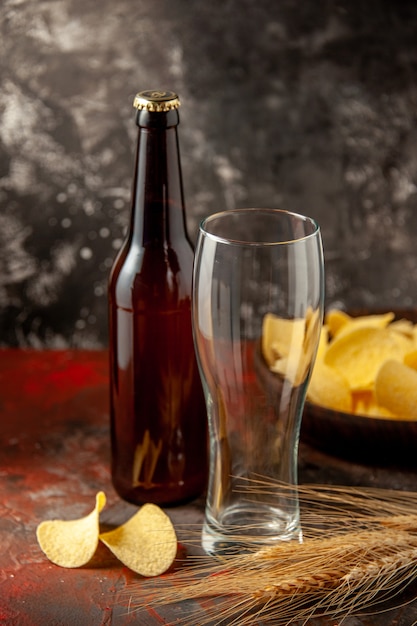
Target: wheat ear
{"type": "Point", "coordinates": [360, 549]}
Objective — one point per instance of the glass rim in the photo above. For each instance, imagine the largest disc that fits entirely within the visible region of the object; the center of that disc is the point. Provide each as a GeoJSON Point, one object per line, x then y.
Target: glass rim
{"type": "Point", "coordinates": [247, 242]}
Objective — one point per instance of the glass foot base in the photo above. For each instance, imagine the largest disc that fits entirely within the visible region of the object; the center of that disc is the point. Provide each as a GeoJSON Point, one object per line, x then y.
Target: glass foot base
{"type": "Point", "coordinates": [243, 530]}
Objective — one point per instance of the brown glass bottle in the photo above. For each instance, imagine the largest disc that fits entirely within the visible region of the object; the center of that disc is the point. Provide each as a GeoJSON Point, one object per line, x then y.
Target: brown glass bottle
{"type": "Point", "coordinates": [158, 415]}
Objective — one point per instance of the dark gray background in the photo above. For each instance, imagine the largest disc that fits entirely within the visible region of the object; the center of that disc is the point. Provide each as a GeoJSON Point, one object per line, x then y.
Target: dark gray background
{"type": "Point", "coordinates": [308, 105]}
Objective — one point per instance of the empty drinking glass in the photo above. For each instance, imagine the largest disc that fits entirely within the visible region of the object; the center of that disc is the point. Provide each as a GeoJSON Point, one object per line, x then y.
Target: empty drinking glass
{"type": "Point", "coordinates": [257, 314]}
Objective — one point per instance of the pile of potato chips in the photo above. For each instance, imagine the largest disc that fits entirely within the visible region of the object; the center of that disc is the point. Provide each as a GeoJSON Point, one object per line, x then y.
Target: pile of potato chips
{"type": "Point", "coordinates": [146, 543]}
{"type": "Point", "coordinates": [367, 366]}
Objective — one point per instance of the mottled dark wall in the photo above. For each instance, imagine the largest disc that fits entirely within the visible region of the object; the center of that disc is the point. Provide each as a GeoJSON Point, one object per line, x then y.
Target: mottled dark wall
{"type": "Point", "coordinates": [309, 106]}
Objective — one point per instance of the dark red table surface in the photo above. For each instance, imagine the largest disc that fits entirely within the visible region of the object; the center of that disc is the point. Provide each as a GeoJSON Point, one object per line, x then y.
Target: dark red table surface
{"type": "Point", "coordinates": [54, 457]}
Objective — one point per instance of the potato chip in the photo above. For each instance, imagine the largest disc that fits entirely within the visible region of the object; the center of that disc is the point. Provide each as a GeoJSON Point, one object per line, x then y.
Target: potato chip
{"type": "Point", "coordinates": [312, 333]}
{"type": "Point", "coordinates": [323, 342]}
{"type": "Point", "coordinates": [365, 321]}
{"type": "Point", "coordinates": [410, 359]}
{"type": "Point", "coordinates": [406, 343]}
{"type": "Point", "coordinates": [364, 403]}
{"type": "Point", "coordinates": [281, 336]}
{"type": "Point", "coordinates": [329, 388]}
{"type": "Point", "coordinates": [403, 326]}
{"type": "Point", "coordinates": [288, 345]}
{"type": "Point", "coordinates": [335, 320]}
{"type": "Point", "coordinates": [71, 543]}
{"type": "Point", "coordinates": [396, 389]}
{"type": "Point", "coordinates": [378, 411]}
{"type": "Point", "coordinates": [359, 354]}
{"type": "Point", "coordinates": [146, 543]}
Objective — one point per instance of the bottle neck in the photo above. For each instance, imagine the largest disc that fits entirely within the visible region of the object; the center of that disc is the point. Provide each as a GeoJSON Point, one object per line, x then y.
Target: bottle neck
{"type": "Point", "coordinates": [158, 212]}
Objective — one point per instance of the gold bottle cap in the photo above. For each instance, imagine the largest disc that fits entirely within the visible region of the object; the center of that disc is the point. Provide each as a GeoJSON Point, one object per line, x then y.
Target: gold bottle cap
{"type": "Point", "coordinates": [155, 100]}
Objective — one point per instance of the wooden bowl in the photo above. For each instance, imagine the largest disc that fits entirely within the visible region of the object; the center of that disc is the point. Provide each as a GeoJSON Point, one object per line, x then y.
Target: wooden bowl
{"type": "Point", "coordinates": [359, 438]}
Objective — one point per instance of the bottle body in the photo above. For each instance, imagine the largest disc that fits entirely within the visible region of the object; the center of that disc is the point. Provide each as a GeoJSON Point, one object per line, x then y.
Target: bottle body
{"type": "Point", "coordinates": [158, 416]}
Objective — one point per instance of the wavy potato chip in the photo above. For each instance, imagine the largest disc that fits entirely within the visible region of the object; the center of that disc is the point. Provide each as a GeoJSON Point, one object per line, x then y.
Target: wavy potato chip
{"type": "Point", "coordinates": [71, 543]}
{"type": "Point", "coordinates": [359, 354]}
{"type": "Point", "coordinates": [146, 543]}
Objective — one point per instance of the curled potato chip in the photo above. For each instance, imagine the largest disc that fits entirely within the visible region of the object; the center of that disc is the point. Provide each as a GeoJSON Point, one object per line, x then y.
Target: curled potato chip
{"type": "Point", "coordinates": [146, 543]}
{"type": "Point", "coordinates": [403, 326]}
{"type": "Point", "coordinates": [360, 353]}
{"type": "Point", "coordinates": [335, 320]}
{"type": "Point", "coordinates": [288, 345]}
{"type": "Point", "coordinates": [396, 389]}
{"type": "Point", "coordinates": [71, 543]}
{"type": "Point", "coordinates": [329, 388]}
{"type": "Point", "coordinates": [281, 336]}
{"type": "Point", "coordinates": [365, 321]}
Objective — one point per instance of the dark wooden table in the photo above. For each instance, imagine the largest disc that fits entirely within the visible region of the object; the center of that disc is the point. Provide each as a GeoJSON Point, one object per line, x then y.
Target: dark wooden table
{"type": "Point", "coordinates": [54, 457]}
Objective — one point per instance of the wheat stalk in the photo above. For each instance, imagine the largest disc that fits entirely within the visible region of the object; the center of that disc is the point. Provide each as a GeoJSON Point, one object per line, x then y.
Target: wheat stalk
{"type": "Point", "coordinates": [360, 548]}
